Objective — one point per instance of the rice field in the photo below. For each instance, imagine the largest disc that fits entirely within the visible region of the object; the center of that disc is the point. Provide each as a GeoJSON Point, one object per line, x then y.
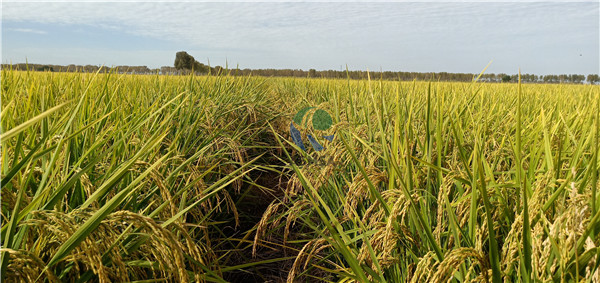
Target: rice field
{"type": "Point", "coordinates": [117, 178]}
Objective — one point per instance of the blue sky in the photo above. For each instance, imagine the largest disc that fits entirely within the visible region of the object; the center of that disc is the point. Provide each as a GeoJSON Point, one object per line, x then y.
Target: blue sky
{"type": "Point", "coordinates": [538, 37]}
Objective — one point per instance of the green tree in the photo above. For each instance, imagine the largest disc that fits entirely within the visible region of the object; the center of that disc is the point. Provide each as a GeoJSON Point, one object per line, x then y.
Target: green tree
{"type": "Point", "coordinates": [199, 67]}
{"type": "Point", "coordinates": [577, 79]}
{"type": "Point", "coordinates": [45, 68]}
{"type": "Point", "coordinates": [184, 61]}
{"type": "Point", "coordinates": [218, 70]}
{"type": "Point", "coordinates": [505, 78]}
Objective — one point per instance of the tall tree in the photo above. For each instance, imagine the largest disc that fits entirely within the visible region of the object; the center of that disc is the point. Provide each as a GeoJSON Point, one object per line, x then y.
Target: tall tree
{"type": "Point", "coordinates": [183, 60]}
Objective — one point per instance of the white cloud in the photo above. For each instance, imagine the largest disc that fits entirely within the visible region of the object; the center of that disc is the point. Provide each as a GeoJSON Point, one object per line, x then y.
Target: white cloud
{"type": "Point", "coordinates": [226, 25]}
{"type": "Point", "coordinates": [415, 36]}
{"type": "Point", "coordinates": [27, 30]}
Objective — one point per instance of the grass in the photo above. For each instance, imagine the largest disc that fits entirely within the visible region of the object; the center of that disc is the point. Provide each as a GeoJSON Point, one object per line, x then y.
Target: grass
{"type": "Point", "coordinates": [112, 177]}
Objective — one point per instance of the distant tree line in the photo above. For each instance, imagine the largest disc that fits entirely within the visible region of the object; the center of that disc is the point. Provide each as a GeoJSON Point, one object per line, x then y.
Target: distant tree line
{"type": "Point", "coordinates": [408, 76]}
{"type": "Point", "coordinates": [124, 69]}
{"type": "Point", "coordinates": [185, 64]}
{"type": "Point", "coordinates": [83, 68]}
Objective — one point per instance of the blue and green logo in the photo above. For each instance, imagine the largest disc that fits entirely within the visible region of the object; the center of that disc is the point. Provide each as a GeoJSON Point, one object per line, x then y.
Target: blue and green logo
{"type": "Point", "coordinates": [313, 120]}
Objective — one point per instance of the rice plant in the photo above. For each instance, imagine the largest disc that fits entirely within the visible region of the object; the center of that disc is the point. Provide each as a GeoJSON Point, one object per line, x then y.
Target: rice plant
{"type": "Point", "coordinates": [435, 182]}
{"type": "Point", "coordinates": [111, 177]}
{"type": "Point", "coordinates": [119, 177]}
